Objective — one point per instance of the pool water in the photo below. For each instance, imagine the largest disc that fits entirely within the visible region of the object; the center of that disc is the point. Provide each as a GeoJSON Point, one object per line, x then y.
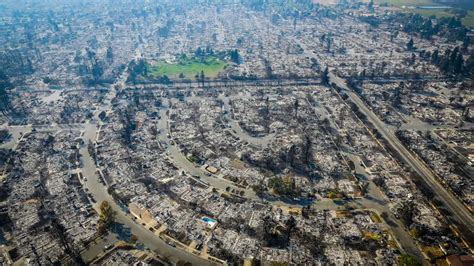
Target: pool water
{"type": "Point", "coordinates": [209, 220]}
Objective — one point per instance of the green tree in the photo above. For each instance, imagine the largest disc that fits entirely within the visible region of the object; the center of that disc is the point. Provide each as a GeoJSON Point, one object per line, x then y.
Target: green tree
{"type": "Point", "coordinates": [371, 6]}
{"type": "Point", "coordinates": [235, 56]}
{"type": "Point", "coordinates": [412, 59]}
{"type": "Point", "coordinates": [406, 211]}
{"type": "Point", "coordinates": [106, 216]}
{"type": "Point", "coordinates": [290, 227]}
{"type": "Point", "coordinates": [408, 260]}
{"type": "Point", "coordinates": [4, 136]}
{"type": "Point", "coordinates": [5, 86]}
{"type": "Point", "coordinates": [469, 68]}
{"type": "Point", "coordinates": [435, 56]}
{"type": "Point", "coordinates": [110, 53]}
{"type": "Point", "coordinates": [259, 190]}
{"type": "Point", "coordinates": [202, 77]}
{"type": "Point", "coordinates": [199, 52]}
{"type": "Point", "coordinates": [465, 43]}
{"type": "Point", "coordinates": [410, 44]}
{"type": "Point", "coordinates": [458, 64]}
{"type": "Point", "coordinates": [325, 76]}
{"type": "Point", "coordinates": [283, 187]}
{"type": "Point", "coordinates": [295, 106]}
{"type": "Point", "coordinates": [137, 69]}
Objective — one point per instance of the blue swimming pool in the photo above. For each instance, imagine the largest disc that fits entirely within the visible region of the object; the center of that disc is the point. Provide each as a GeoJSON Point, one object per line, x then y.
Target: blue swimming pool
{"type": "Point", "coordinates": [208, 220]}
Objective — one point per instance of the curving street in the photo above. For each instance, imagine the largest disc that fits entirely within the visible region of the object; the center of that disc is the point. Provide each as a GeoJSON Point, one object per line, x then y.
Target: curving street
{"type": "Point", "coordinates": [375, 199]}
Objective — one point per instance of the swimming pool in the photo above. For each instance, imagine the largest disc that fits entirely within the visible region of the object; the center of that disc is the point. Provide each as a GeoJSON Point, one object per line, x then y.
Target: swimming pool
{"type": "Point", "coordinates": [209, 221]}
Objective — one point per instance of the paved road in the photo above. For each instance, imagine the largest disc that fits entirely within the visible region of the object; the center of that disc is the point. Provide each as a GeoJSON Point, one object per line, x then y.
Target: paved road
{"type": "Point", "coordinates": [394, 226]}
{"type": "Point", "coordinates": [459, 211]}
{"type": "Point", "coordinates": [183, 163]}
{"type": "Point", "coordinates": [231, 83]}
{"type": "Point", "coordinates": [376, 200]}
{"type": "Point", "coordinates": [98, 246]}
{"type": "Point", "coordinates": [99, 192]}
{"type": "Point", "coordinates": [237, 131]}
{"type": "Point", "coordinates": [417, 124]}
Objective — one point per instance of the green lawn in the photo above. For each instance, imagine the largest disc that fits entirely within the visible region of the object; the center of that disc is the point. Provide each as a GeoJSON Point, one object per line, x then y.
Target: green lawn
{"type": "Point", "coordinates": [439, 13]}
{"type": "Point", "coordinates": [400, 3]}
{"type": "Point", "coordinates": [467, 21]}
{"type": "Point", "coordinates": [189, 67]}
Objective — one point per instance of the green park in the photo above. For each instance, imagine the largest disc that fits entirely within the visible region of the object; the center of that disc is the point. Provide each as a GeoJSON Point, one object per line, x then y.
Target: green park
{"type": "Point", "coordinates": [188, 67]}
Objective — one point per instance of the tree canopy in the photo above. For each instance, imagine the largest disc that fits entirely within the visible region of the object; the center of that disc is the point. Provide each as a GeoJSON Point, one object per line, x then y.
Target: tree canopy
{"type": "Point", "coordinates": [106, 216]}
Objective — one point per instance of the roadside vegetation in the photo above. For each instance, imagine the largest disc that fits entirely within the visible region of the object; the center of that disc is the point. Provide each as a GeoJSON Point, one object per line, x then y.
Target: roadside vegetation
{"type": "Point", "coordinates": [106, 217]}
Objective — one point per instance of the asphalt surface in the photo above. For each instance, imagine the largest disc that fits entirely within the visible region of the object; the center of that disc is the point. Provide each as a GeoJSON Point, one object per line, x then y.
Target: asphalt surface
{"type": "Point", "coordinates": [376, 200]}
{"type": "Point", "coordinates": [148, 238]}
{"type": "Point", "coordinates": [460, 213]}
